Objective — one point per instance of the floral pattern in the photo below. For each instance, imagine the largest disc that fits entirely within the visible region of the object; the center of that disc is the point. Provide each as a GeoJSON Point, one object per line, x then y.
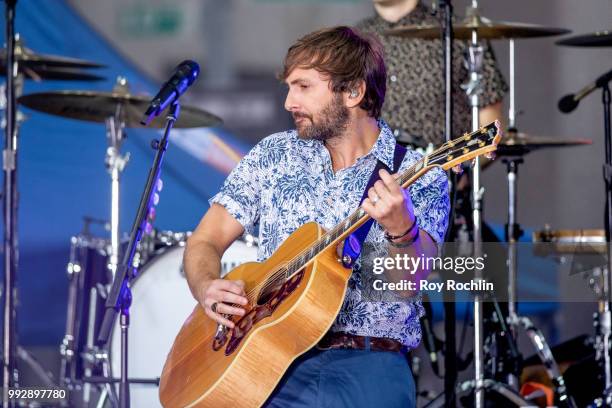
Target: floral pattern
{"type": "Point", "coordinates": [285, 182]}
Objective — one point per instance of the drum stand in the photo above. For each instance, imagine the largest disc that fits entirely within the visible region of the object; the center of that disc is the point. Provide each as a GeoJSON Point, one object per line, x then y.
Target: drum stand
{"type": "Point", "coordinates": [473, 89]}
{"type": "Point", "coordinates": [513, 233]}
{"type": "Point", "coordinates": [115, 163]}
{"type": "Point", "coordinates": [95, 357]}
{"type": "Point", "coordinates": [9, 344]}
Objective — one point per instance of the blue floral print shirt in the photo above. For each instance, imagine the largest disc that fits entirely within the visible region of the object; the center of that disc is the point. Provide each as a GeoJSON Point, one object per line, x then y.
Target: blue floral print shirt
{"type": "Point", "coordinates": [286, 181]}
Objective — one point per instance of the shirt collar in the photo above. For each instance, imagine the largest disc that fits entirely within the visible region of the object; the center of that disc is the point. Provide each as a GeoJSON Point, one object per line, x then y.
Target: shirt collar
{"type": "Point", "coordinates": [383, 149]}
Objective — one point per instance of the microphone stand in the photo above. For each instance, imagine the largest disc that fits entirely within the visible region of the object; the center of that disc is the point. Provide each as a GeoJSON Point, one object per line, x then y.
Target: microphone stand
{"type": "Point", "coordinates": [604, 314]}
{"type": "Point", "coordinates": [120, 297]}
{"type": "Point", "coordinates": [450, 347]}
{"type": "Point", "coordinates": [605, 318]}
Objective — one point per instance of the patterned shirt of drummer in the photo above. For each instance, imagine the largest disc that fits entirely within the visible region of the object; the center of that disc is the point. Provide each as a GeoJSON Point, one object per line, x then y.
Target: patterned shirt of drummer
{"type": "Point", "coordinates": [414, 102]}
{"type": "Point", "coordinates": [286, 181]}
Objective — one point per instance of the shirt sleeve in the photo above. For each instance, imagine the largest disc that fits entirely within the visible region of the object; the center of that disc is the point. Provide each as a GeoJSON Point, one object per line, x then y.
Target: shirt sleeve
{"type": "Point", "coordinates": [430, 198]}
{"type": "Point", "coordinates": [241, 191]}
{"type": "Point", "coordinates": [495, 86]}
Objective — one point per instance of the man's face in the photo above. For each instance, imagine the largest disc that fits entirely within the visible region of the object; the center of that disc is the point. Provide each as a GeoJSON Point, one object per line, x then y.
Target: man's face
{"type": "Point", "coordinates": [318, 112]}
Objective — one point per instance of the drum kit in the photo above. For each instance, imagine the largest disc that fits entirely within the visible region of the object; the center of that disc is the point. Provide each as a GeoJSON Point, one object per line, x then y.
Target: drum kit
{"type": "Point", "coordinates": [161, 295]}
{"type": "Point", "coordinates": [489, 377]}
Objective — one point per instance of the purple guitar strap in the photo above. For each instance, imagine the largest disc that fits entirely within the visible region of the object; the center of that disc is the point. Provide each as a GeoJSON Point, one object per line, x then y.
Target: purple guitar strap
{"type": "Point", "coordinates": [354, 242]}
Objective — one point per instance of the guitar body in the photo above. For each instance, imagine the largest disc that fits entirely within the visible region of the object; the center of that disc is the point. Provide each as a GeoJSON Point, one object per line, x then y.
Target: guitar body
{"type": "Point", "coordinates": [244, 370]}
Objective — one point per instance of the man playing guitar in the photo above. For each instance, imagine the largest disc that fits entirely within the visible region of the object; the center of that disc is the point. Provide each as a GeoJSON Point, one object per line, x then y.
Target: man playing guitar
{"type": "Point", "coordinates": [336, 82]}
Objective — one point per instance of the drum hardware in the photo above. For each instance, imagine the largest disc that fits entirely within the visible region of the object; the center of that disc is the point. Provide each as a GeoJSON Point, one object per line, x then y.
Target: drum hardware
{"type": "Point", "coordinates": [473, 88]}
{"type": "Point", "coordinates": [10, 376]}
{"type": "Point", "coordinates": [38, 67]}
{"type": "Point", "coordinates": [95, 106]}
{"type": "Point", "coordinates": [519, 144]}
{"type": "Point", "coordinates": [473, 28]}
{"type": "Point", "coordinates": [567, 104]}
{"type": "Point", "coordinates": [117, 110]}
{"type": "Point", "coordinates": [449, 345]}
{"type": "Point", "coordinates": [115, 163]}
{"type": "Point", "coordinates": [18, 63]}
{"type": "Point", "coordinates": [596, 39]}
{"type": "Point", "coordinates": [162, 295]}
{"type": "Point", "coordinates": [513, 234]}
{"type": "Point", "coordinates": [482, 27]}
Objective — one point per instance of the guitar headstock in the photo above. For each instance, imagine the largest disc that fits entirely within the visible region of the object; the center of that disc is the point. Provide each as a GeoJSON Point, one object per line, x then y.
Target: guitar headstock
{"type": "Point", "coordinates": [466, 147]}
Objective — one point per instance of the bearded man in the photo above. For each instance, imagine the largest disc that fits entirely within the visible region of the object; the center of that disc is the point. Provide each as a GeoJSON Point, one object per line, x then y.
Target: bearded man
{"type": "Point", "coordinates": [319, 172]}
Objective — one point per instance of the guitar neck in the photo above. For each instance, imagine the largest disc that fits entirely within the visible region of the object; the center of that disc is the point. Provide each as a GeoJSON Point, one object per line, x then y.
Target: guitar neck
{"type": "Point", "coordinates": [450, 154]}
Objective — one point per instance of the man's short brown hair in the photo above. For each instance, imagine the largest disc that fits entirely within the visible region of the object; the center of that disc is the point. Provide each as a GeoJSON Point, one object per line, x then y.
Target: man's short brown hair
{"type": "Point", "coordinates": [347, 57]}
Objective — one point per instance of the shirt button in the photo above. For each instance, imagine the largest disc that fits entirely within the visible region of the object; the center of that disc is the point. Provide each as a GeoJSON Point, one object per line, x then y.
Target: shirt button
{"type": "Point", "coordinates": [393, 78]}
{"type": "Point", "coordinates": [396, 132]}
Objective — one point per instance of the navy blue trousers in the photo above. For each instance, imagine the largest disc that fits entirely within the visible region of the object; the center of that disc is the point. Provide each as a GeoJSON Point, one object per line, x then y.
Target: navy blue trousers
{"type": "Point", "coordinates": [346, 378]}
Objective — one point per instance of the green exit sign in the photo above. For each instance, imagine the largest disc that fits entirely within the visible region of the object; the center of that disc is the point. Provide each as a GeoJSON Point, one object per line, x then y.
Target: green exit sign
{"type": "Point", "coordinates": [145, 20]}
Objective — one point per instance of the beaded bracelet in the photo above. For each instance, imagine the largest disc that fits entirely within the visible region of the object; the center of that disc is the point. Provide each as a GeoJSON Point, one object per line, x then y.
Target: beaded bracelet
{"type": "Point", "coordinates": [405, 244]}
{"type": "Point", "coordinates": [390, 237]}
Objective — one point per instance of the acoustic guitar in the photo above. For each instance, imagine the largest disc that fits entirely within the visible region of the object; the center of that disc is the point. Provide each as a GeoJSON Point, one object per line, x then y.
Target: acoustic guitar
{"type": "Point", "coordinates": [294, 297]}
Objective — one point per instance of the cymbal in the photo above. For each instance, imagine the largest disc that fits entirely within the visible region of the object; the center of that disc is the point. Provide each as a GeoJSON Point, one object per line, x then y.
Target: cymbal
{"type": "Point", "coordinates": [518, 143]}
{"type": "Point", "coordinates": [486, 29]}
{"type": "Point", "coordinates": [45, 66]}
{"type": "Point", "coordinates": [40, 72]}
{"type": "Point", "coordinates": [596, 39]}
{"type": "Point", "coordinates": [93, 106]}
{"type": "Point", "coordinates": [26, 57]}
{"type": "Point", "coordinates": [558, 242]}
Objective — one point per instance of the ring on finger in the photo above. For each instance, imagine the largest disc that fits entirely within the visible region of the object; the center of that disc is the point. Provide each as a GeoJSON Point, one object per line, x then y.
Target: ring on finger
{"type": "Point", "coordinates": [213, 307]}
{"type": "Point", "coordinates": [375, 199]}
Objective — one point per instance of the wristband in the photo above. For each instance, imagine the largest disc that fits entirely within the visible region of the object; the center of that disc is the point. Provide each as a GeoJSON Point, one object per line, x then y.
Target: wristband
{"type": "Point", "coordinates": [390, 237]}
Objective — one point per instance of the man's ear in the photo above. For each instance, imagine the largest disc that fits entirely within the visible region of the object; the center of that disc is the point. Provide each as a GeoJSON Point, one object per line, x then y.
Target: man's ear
{"type": "Point", "coordinates": [354, 96]}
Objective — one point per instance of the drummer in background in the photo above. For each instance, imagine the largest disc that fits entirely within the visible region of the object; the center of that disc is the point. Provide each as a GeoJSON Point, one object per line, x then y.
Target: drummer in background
{"type": "Point", "coordinates": [414, 105]}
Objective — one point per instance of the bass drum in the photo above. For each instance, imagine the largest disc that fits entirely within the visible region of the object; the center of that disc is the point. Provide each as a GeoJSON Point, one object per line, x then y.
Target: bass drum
{"type": "Point", "coordinates": [161, 303]}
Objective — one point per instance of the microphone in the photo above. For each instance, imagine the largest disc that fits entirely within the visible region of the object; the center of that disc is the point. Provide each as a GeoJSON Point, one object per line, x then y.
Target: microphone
{"type": "Point", "coordinates": [185, 74]}
{"type": "Point", "coordinates": [569, 102]}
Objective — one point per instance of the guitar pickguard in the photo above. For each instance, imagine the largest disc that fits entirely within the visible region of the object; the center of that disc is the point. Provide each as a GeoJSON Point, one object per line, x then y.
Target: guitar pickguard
{"type": "Point", "coordinates": [260, 312]}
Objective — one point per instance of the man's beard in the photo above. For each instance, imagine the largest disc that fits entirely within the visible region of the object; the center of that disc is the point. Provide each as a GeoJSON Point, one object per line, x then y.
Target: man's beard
{"type": "Point", "coordinates": [332, 121]}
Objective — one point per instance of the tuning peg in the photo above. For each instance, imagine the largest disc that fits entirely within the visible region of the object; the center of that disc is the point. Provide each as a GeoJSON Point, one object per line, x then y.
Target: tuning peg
{"type": "Point", "coordinates": [148, 229]}
{"type": "Point", "coordinates": [152, 213]}
{"type": "Point", "coordinates": [160, 185]}
{"type": "Point", "coordinates": [490, 155]}
{"type": "Point", "coordinates": [155, 199]}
